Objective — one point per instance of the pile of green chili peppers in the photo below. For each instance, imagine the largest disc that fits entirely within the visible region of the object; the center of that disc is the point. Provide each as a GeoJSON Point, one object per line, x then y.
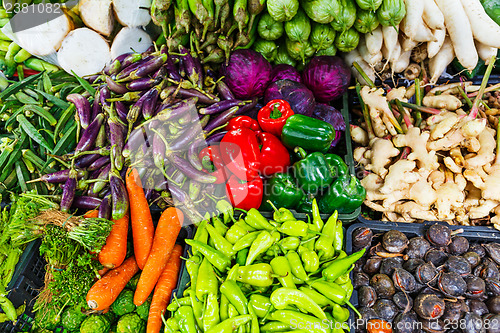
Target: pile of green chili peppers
{"type": "Point", "coordinates": [257, 275]}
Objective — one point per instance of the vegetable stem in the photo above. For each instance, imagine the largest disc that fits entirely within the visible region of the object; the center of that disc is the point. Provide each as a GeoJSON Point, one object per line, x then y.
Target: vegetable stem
{"type": "Point", "coordinates": [420, 108]}
{"type": "Point", "coordinates": [418, 101]}
{"type": "Point", "coordinates": [366, 115]}
{"type": "Point", "coordinates": [363, 75]}
{"type": "Point", "coordinates": [475, 107]}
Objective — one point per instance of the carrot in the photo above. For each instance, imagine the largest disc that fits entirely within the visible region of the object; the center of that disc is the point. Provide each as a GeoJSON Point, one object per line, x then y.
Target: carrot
{"type": "Point", "coordinates": [103, 271]}
{"type": "Point", "coordinates": [167, 230]}
{"type": "Point", "coordinates": [91, 214]}
{"type": "Point", "coordinates": [163, 290]}
{"type": "Point", "coordinates": [114, 251]}
{"type": "Point", "coordinates": [106, 290]}
{"type": "Point", "coordinates": [140, 217]}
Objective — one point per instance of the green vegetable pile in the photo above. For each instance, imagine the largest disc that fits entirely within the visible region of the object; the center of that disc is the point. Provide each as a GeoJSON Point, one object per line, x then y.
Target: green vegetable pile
{"type": "Point", "coordinates": [265, 275]}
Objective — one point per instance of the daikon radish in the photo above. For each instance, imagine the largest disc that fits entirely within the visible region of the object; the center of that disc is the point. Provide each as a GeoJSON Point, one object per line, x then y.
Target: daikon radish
{"type": "Point", "coordinates": [83, 51]}
{"type": "Point", "coordinates": [483, 27]}
{"type": "Point", "coordinates": [408, 44]}
{"type": "Point", "coordinates": [433, 47]}
{"type": "Point", "coordinates": [432, 15]}
{"type": "Point", "coordinates": [391, 49]}
{"type": "Point", "coordinates": [485, 52]}
{"type": "Point", "coordinates": [97, 14]}
{"type": "Point", "coordinates": [371, 59]}
{"type": "Point", "coordinates": [132, 13]}
{"type": "Point", "coordinates": [43, 39]}
{"type": "Point", "coordinates": [130, 40]}
{"type": "Point", "coordinates": [354, 56]}
{"type": "Point", "coordinates": [440, 61]}
{"type": "Point", "coordinates": [424, 34]}
{"type": "Point", "coordinates": [411, 22]}
{"type": "Point", "coordinates": [374, 40]}
{"type": "Point", "coordinates": [402, 63]}
{"type": "Point", "coordinates": [458, 27]}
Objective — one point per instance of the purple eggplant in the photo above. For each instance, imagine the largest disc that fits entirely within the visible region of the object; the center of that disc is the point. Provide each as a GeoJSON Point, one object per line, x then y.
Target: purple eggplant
{"type": "Point", "coordinates": [222, 106]}
{"type": "Point", "coordinates": [224, 90]}
{"type": "Point", "coordinates": [87, 203]}
{"type": "Point", "coordinates": [150, 101]}
{"type": "Point", "coordinates": [68, 194]}
{"type": "Point", "coordinates": [86, 160]}
{"type": "Point", "coordinates": [126, 71]}
{"type": "Point", "coordinates": [99, 163]}
{"type": "Point", "coordinates": [220, 120]}
{"type": "Point", "coordinates": [215, 137]}
{"type": "Point", "coordinates": [247, 107]}
{"type": "Point", "coordinates": [204, 98]}
{"type": "Point", "coordinates": [172, 70]}
{"type": "Point", "coordinates": [159, 149]}
{"type": "Point", "coordinates": [104, 95]}
{"type": "Point", "coordinates": [103, 177]}
{"type": "Point", "coordinates": [130, 59]}
{"type": "Point", "coordinates": [192, 67]}
{"type": "Point", "coordinates": [183, 142]}
{"type": "Point", "coordinates": [83, 110]}
{"type": "Point", "coordinates": [161, 73]}
{"type": "Point", "coordinates": [105, 209]}
{"type": "Point", "coordinates": [119, 197]}
{"type": "Point", "coordinates": [114, 67]}
{"type": "Point", "coordinates": [181, 197]}
{"type": "Point", "coordinates": [192, 154]}
{"type": "Point", "coordinates": [121, 110]}
{"type": "Point", "coordinates": [96, 107]}
{"type": "Point", "coordinates": [134, 111]}
{"type": "Point", "coordinates": [135, 140]}
{"type": "Point", "coordinates": [177, 110]}
{"type": "Point", "coordinates": [189, 171]}
{"type": "Point", "coordinates": [102, 136]}
{"type": "Point", "coordinates": [117, 140]}
{"type": "Point", "coordinates": [194, 189]}
{"type": "Point", "coordinates": [115, 87]}
{"type": "Point", "coordinates": [61, 176]}
{"type": "Point", "coordinates": [144, 83]}
{"type": "Point", "coordinates": [149, 67]}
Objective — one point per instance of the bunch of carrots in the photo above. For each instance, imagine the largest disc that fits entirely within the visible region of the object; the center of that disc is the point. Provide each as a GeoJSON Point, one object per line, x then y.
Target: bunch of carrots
{"type": "Point", "coordinates": [155, 253]}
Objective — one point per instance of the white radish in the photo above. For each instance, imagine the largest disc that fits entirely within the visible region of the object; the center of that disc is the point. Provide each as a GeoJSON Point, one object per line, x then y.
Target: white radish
{"type": "Point", "coordinates": [371, 59]}
{"type": "Point", "coordinates": [483, 27]}
{"type": "Point", "coordinates": [374, 40]}
{"type": "Point", "coordinates": [391, 48]}
{"type": "Point", "coordinates": [424, 34]}
{"type": "Point", "coordinates": [130, 40]}
{"type": "Point", "coordinates": [440, 61]}
{"type": "Point", "coordinates": [402, 63]}
{"type": "Point", "coordinates": [432, 15]}
{"type": "Point", "coordinates": [411, 22]}
{"type": "Point", "coordinates": [132, 13]}
{"type": "Point", "coordinates": [408, 44]}
{"type": "Point", "coordinates": [43, 39]}
{"type": "Point", "coordinates": [458, 27]}
{"type": "Point", "coordinates": [433, 47]}
{"type": "Point", "coordinates": [485, 52]}
{"type": "Point", "coordinates": [98, 15]}
{"type": "Point", "coordinates": [354, 56]}
{"type": "Point", "coordinates": [84, 51]}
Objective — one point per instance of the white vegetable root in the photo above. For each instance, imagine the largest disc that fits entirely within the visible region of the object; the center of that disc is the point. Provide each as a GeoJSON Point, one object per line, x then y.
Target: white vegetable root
{"type": "Point", "coordinates": [440, 61]}
{"type": "Point", "coordinates": [432, 15]}
{"type": "Point", "coordinates": [132, 13]}
{"type": "Point", "coordinates": [374, 40]}
{"type": "Point", "coordinates": [371, 59]}
{"type": "Point", "coordinates": [84, 51]}
{"type": "Point", "coordinates": [97, 14]}
{"type": "Point", "coordinates": [391, 48]}
{"type": "Point", "coordinates": [485, 52]}
{"type": "Point", "coordinates": [354, 56]}
{"type": "Point", "coordinates": [413, 18]}
{"type": "Point", "coordinates": [433, 47]}
{"type": "Point", "coordinates": [484, 29]}
{"type": "Point", "coordinates": [130, 40]}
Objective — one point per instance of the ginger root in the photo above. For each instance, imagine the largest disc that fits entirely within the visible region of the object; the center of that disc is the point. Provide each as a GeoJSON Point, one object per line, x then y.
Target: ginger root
{"type": "Point", "coordinates": [417, 141]}
{"type": "Point", "coordinates": [380, 155]}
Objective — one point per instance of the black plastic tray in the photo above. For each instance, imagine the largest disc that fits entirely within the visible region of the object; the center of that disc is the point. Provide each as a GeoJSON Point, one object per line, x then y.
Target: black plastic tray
{"type": "Point", "coordinates": [472, 233]}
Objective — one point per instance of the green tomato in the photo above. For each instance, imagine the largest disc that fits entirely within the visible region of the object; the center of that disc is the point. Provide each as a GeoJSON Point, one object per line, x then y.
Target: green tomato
{"type": "Point", "coordinates": [283, 57]}
{"type": "Point", "coordinates": [321, 11]}
{"type": "Point", "coordinates": [124, 303]}
{"type": "Point", "coordinates": [282, 10]}
{"type": "Point", "coordinates": [366, 21]}
{"type": "Point", "coordinates": [95, 324]}
{"type": "Point", "coordinates": [298, 29]}
{"type": "Point", "coordinates": [347, 16]}
{"type": "Point", "coordinates": [267, 48]}
{"type": "Point", "coordinates": [130, 323]}
{"type": "Point", "coordinates": [322, 36]}
{"type": "Point", "coordinates": [299, 50]}
{"type": "Point", "coordinates": [347, 41]}
{"type": "Point", "coordinates": [268, 28]}
{"type": "Point", "coordinates": [329, 51]}
{"type": "Point", "coordinates": [371, 5]}
{"type": "Point", "coordinates": [391, 12]}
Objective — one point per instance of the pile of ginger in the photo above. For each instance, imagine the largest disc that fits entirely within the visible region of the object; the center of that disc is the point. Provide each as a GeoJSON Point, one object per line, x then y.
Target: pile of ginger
{"type": "Point", "coordinates": [441, 166]}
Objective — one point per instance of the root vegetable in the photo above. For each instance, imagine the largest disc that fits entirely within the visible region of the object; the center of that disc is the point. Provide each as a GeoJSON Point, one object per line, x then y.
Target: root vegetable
{"type": "Point", "coordinates": [380, 156]}
{"type": "Point", "coordinates": [391, 47]}
{"type": "Point", "coordinates": [377, 105]}
{"type": "Point", "coordinates": [424, 34]}
{"type": "Point", "coordinates": [397, 93]}
{"type": "Point", "coordinates": [448, 196]}
{"type": "Point", "coordinates": [441, 60]}
{"type": "Point", "coordinates": [432, 15]}
{"type": "Point", "coordinates": [483, 210]}
{"type": "Point", "coordinates": [444, 126]}
{"type": "Point", "coordinates": [486, 152]}
{"type": "Point", "coordinates": [358, 155]}
{"type": "Point", "coordinates": [354, 56]}
{"type": "Point", "coordinates": [450, 164]}
{"type": "Point", "coordinates": [84, 51]}
{"type": "Point", "coordinates": [433, 47]}
{"type": "Point", "coordinates": [402, 63]}
{"type": "Point", "coordinates": [460, 31]}
{"type": "Point", "coordinates": [485, 52]}
{"type": "Point", "coordinates": [374, 40]}
{"type": "Point", "coordinates": [371, 59]}
{"type": "Point", "coordinates": [97, 14]}
{"type": "Point", "coordinates": [408, 44]}
{"type": "Point", "coordinates": [414, 210]}
{"type": "Point", "coordinates": [422, 193]}
{"type": "Point", "coordinates": [359, 135]}
{"type": "Point", "coordinates": [411, 22]}
{"type": "Point", "coordinates": [448, 102]}
{"type": "Point", "coordinates": [130, 40]}
{"type": "Point", "coordinates": [132, 13]}
{"type": "Point", "coordinates": [473, 128]}
{"type": "Point", "coordinates": [483, 27]}
{"type": "Point", "coordinates": [399, 177]}
{"type": "Point", "coordinates": [417, 141]}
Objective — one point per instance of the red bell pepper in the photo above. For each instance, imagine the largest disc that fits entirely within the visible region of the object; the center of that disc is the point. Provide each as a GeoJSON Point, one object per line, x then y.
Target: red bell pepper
{"type": "Point", "coordinates": [245, 195]}
{"type": "Point", "coordinates": [243, 122]}
{"type": "Point", "coordinates": [274, 156]}
{"type": "Point", "coordinates": [240, 153]}
{"type": "Point", "coordinates": [211, 160]}
{"type": "Point", "coordinates": [272, 117]}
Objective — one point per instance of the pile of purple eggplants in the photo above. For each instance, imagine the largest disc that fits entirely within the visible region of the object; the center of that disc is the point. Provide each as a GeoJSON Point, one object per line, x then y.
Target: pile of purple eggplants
{"type": "Point", "coordinates": [433, 283]}
{"type": "Point", "coordinates": [141, 115]}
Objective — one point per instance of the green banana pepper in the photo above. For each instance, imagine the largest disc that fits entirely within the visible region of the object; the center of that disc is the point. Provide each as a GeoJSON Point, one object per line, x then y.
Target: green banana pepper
{"type": "Point", "coordinates": [347, 16]}
{"type": "Point", "coordinates": [282, 268]}
{"type": "Point", "coordinates": [290, 243]}
{"type": "Point", "coordinates": [220, 242]}
{"type": "Point", "coordinates": [294, 228]}
{"type": "Point", "coordinates": [298, 319]}
{"type": "Point", "coordinates": [193, 266]}
{"type": "Point", "coordinates": [312, 134]}
{"type": "Point", "coordinates": [371, 5]}
{"type": "Point", "coordinates": [230, 325]}
{"type": "Point", "coordinates": [341, 265]}
{"type": "Point", "coordinates": [207, 282]}
{"type": "Point", "coordinates": [347, 41]}
{"type": "Point", "coordinates": [275, 326]}
{"type": "Point", "coordinates": [185, 319]}
{"type": "Point", "coordinates": [312, 172]}
{"type": "Point", "coordinates": [391, 12]}
{"type": "Point", "coordinates": [324, 244]}
{"type": "Point", "coordinates": [366, 21]}
{"type": "Point", "coordinates": [317, 220]}
{"type": "Point", "coordinates": [256, 220]}
{"type": "Point", "coordinates": [218, 259]}
{"type": "Point", "coordinates": [260, 245]}
{"type": "Point", "coordinates": [339, 313]}
{"type": "Point", "coordinates": [219, 225]}
{"type": "Point", "coordinates": [260, 304]}
{"type": "Point", "coordinates": [245, 241]}
{"type": "Point", "coordinates": [345, 195]}
{"type": "Point", "coordinates": [298, 29]}
{"type": "Point", "coordinates": [282, 297]}
{"type": "Point", "coordinates": [348, 288]}
{"type": "Point", "coordinates": [224, 308]}
{"type": "Point", "coordinates": [337, 165]}
{"type": "Point", "coordinates": [197, 307]}
{"type": "Point", "coordinates": [260, 275]}
{"type": "Point", "coordinates": [201, 234]}
{"type": "Point", "coordinates": [310, 260]}
{"type": "Point", "coordinates": [282, 191]}
{"type": "Point", "coordinates": [235, 296]}
{"type": "Point", "coordinates": [211, 314]}
{"type": "Point", "coordinates": [316, 297]}
{"type": "Point", "coordinates": [296, 265]}
{"type": "Point", "coordinates": [241, 257]}
{"type": "Point", "coordinates": [331, 290]}
{"type": "Point", "coordinates": [322, 36]}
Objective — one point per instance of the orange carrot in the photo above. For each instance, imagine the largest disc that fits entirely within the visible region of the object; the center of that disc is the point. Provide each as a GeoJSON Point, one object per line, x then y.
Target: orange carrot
{"type": "Point", "coordinates": [163, 290]}
{"type": "Point", "coordinates": [91, 214]}
{"type": "Point", "coordinates": [103, 271]}
{"type": "Point", "coordinates": [167, 230]}
{"type": "Point", "coordinates": [113, 253]}
{"type": "Point", "coordinates": [142, 223]}
{"type": "Point", "coordinates": [105, 291]}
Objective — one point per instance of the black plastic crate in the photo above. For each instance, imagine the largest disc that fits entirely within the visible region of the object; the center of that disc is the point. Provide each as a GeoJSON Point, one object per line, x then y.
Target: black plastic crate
{"type": "Point", "coordinates": [472, 233]}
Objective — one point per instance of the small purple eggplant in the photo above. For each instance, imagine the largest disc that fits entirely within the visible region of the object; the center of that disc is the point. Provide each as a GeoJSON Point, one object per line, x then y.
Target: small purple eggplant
{"type": "Point", "coordinates": [103, 176]}
{"type": "Point", "coordinates": [159, 149]}
{"type": "Point", "coordinates": [121, 111]}
{"type": "Point", "coordinates": [99, 163]}
{"type": "Point", "coordinates": [224, 90]}
{"type": "Point", "coordinates": [105, 209]}
{"type": "Point", "coordinates": [189, 171]}
{"type": "Point", "coordinates": [215, 137]}
{"type": "Point", "coordinates": [115, 87]}
{"type": "Point", "coordinates": [126, 71]}
{"type": "Point", "coordinates": [130, 59]}
{"type": "Point", "coordinates": [247, 107]}
{"type": "Point", "coordinates": [135, 140]}
{"type": "Point", "coordinates": [96, 107]}
{"type": "Point", "coordinates": [222, 106]}
{"type": "Point", "coordinates": [144, 83]}
{"type": "Point", "coordinates": [192, 67]}
{"type": "Point", "coordinates": [61, 176]}
{"type": "Point", "coordinates": [83, 109]}
{"type": "Point", "coordinates": [87, 203]}
{"type": "Point", "coordinates": [220, 120]}
{"type": "Point", "coordinates": [147, 68]}
{"type": "Point", "coordinates": [192, 154]}
{"type": "Point", "coordinates": [184, 140]}
{"type": "Point", "coordinates": [68, 194]}
{"type": "Point", "coordinates": [177, 110]}
{"type": "Point", "coordinates": [150, 101]}
{"type": "Point", "coordinates": [86, 160]}
{"type": "Point", "coordinates": [117, 140]}
{"type": "Point", "coordinates": [173, 72]}
{"type": "Point", "coordinates": [119, 197]}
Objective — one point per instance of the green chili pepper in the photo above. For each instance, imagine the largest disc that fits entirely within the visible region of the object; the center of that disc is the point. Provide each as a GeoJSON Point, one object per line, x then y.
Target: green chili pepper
{"type": "Point", "coordinates": [238, 230]}
{"type": "Point", "coordinates": [226, 209]}
{"type": "Point", "coordinates": [197, 308]}
{"type": "Point", "coordinates": [294, 228]}
{"type": "Point", "coordinates": [229, 325]}
{"type": "Point", "coordinates": [324, 244]}
{"type": "Point", "coordinates": [296, 265]}
{"type": "Point", "coordinates": [260, 245]}
{"type": "Point", "coordinates": [185, 319]}
{"type": "Point", "coordinates": [220, 242]}
{"type": "Point", "coordinates": [231, 311]}
{"type": "Point", "coordinates": [339, 266]}
{"type": "Point", "coordinates": [321, 300]}
{"type": "Point", "coordinates": [290, 243]}
{"type": "Point", "coordinates": [218, 259]}
{"type": "Point", "coordinates": [245, 241]}
{"type": "Point", "coordinates": [275, 326]}
{"type": "Point", "coordinates": [281, 267]}
{"type": "Point", "coordinates": [296, 319]}
{"type": "Point", "coordinates": [207, 282]}
{"type": "Point", "coordinates": [211, 315]}
{"type": "Point", "coordinates": [338, 238]}
{"type": "Point", "coordinates": [193, 266]}
{"type": "Point", "coordinates": [317, 220]}
{"type": "Point", "coordinates": [233, 272]}
{"type": "Point", "coordinates": [255, 219]}
{"type": "Point", "coordinates": [235, 296]}
{"type": "Point", "coordinates": [344, 278]}
{"type": "Point", "coordinates": [260, 275]}
{"type": "Point", "coordinates": [224, 302]}
{"type": "Point", "coordinates": [254, 324]}
{"type": "Point", "coordinates": [261, 305]}
{"type": "Point", "coordinates": [201, 234]}
{"type": "Point", "coordinates": [340, 313]}
{"type": "Point", "coordinates": [282, 214]}
{"type": "Point", "coordinates": [310, 260]}
{"type": "Point", "coordinates": [241, 257]}
{"type": "Point", "coordinates": [348, 288]}
{"type": "Point", "coordinates": [177, 302]}
{"type": "Point", "coordinates": [331, 290]}
{"type": "Point", "coordinates": [219, 226]}
{"type": "Point", "coordinates": [282, 297]}
{"type": "Point", "coordinates": [273, 251]}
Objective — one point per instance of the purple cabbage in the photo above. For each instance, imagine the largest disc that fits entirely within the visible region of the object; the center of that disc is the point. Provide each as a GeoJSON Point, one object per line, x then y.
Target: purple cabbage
{"type": "Point", "coordinates": [247, 74]}
{"type": "Point", "coordinates": [328, 77]}
{"type": "Point", "coordinates": [285, 72]}
{"type": "Point", "coordinates": [333, 117]}
{"type": "Point", "coordinates": [300, 98]}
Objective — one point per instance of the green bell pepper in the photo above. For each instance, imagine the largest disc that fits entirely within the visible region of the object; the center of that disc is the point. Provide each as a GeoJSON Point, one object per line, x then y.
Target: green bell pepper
{"type": "Point", "coordinates": [313, 134]}
{"type": "Point", "coordinates": [305, 205]}
{"type": "Point", "coordinates": [345, 195]}
{"type": "Point", "coordinates": [282, 191]}
{"type": "Point", "coordinates": [337, 165]}
{"type": "Point", "coordinates": [312, 172]}
{"type": "Point", "coordinates": [492, 8]}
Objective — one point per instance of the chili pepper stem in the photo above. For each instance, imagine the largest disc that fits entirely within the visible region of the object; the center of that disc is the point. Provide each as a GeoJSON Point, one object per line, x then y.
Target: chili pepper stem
{"type": "Point", "coordinates": [354, 309]}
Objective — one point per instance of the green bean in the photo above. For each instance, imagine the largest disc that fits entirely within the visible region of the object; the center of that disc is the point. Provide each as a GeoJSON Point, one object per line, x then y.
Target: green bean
{"type": "Point", "coordinates": [43, 113]}
{"type": "Point", "coordinates": [40, 65]}
{"type": "Point", "coordinates": [51, 98]}
{"type": "Point", "coordinates": [31, 168]}
{"type": "Point", "coordinates": [63, 119]}
{"type": "Point", "coordinates": [24, 98]}
{"type": "Point", "coordinates": [20, 176]}
{"type": "Point", "coordinates": [64, 142]}
{"type": "Point", "coordinates": [36, 160]}
{"type": "Point", "coordinates": [32, 132]}
{"type": "Point", "coordinates": [21, 56]}
{"type": "Point", "coordinates": [18, 86]}
{"type": "Point", "coordinates": [47, 85]}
